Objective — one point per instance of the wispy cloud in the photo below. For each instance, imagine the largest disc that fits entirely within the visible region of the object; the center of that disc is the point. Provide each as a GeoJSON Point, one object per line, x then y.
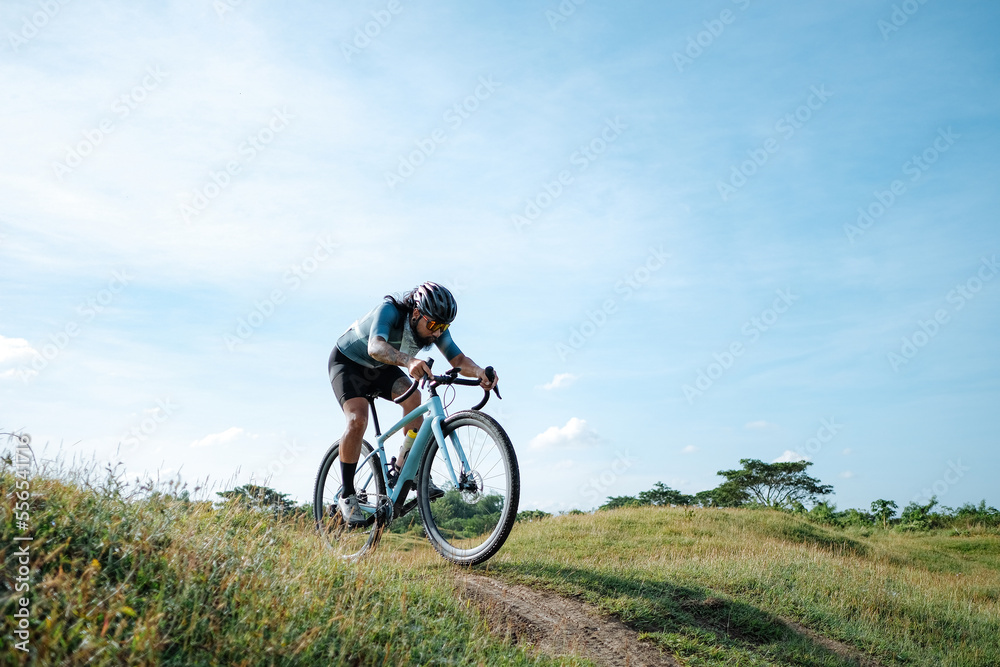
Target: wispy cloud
{"type": "Point", "coordinates": [790, 456]}
{"type": "Point", "coordinates": [226, 437]}
{"type": "Point", "coordinates": [576, 434]}
{"type": "Point", "coordinates": [560, 380]}
{"type": "Point", "coordinates": [690, 449]}
{"type": "Point", "coordinates": [760, 425]}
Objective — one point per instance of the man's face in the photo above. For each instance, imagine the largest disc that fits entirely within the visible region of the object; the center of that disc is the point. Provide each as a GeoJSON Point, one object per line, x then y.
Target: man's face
{"type": "Point", "coordinates": [421, 333]}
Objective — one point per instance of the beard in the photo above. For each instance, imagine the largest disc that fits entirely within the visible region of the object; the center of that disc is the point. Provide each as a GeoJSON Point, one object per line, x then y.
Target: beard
{"type": "Point", "coordinates": [422, 341]}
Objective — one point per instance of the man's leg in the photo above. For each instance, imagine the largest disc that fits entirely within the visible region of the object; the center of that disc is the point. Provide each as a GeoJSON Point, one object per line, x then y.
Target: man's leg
{"type": "Point", "coordinates": [356, 414]}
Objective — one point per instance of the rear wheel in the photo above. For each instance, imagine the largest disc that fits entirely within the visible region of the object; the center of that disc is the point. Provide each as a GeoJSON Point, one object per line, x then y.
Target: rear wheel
{"type": "Point", "coordinates": [350, 543]}
{"type": "Point", "coordinates": [471, 521]}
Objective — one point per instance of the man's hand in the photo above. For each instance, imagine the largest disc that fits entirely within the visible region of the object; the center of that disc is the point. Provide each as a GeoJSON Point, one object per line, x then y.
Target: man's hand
{"type": "Point", "coordinates": [418, 368]}
{"type": "Point", "coordinates": [484, 381]}
{"type": "Point", "coordinates": [471, 369]}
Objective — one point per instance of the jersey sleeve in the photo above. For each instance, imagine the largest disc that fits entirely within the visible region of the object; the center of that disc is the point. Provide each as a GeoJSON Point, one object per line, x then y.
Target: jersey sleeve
{"type": "Point", "coordinates": [447, 346]}
{"type": "Point", "coordinates": [385, 318]}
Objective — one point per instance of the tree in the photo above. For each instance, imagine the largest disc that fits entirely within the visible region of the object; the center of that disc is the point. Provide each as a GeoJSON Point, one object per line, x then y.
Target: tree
{"type": "Point", "coordinates": [779, 485]}
{"type": "Point", "coordinates": [726, 494]}
{"type": "Point", "coordinates": [615, 502]}
{"type": "Point", "coordinates": [884, 511]}
{"type": "Point", "coordinates": [532, 515]}
{"type": "Point", "coordinates": [918, 516]}
{"type": "Point", "coordinates": [260, 498]}
{"type": "Point", "coordinates": [663, 495]}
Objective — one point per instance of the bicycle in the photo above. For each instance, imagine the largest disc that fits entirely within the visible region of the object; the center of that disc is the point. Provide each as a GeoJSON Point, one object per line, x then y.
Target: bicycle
{"type": "Point", "coordinates": [470, 455]}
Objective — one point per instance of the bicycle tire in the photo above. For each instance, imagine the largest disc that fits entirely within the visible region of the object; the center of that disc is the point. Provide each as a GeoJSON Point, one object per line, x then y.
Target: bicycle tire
{"type": "Point", "coordinates": [349, 543]}
{"type": "Point", "coordinates": [468, 527]}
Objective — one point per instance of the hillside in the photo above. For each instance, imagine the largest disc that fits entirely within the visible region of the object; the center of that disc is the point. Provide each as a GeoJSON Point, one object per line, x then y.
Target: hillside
{"type": "Point", "coordinates": [161, 580]}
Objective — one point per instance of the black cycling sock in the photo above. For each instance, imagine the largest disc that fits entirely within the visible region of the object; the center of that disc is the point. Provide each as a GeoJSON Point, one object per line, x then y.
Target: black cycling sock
{"type": "Point", "coordinates": [347, 473]}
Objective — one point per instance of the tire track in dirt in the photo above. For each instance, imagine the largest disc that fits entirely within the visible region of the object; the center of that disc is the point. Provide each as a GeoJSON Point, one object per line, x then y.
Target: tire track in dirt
{"type": "Point", "coordinates": [557, 625]}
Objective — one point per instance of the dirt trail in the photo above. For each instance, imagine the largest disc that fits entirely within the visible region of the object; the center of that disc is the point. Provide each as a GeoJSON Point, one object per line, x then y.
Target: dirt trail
{"type": "Point", "coordinates": [556, 625]}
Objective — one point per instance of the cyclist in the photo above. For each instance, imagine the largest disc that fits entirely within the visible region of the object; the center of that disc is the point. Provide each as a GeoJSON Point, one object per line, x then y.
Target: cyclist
{"type": "Point", "coordinates": [368, 356]}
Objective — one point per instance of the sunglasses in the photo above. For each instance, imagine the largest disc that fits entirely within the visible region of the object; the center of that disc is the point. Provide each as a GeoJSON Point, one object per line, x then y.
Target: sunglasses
{"type": "Point", "coordinates": [433, 325]}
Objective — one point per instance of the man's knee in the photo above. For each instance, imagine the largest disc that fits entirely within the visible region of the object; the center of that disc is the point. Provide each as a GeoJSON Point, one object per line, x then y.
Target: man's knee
{"type": "Point", "coordinates": [357, 418]}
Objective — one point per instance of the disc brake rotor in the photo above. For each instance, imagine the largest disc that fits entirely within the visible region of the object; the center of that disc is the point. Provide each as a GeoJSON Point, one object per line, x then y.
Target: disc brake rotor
{"type": "Point", "coordinates": [472, 487]}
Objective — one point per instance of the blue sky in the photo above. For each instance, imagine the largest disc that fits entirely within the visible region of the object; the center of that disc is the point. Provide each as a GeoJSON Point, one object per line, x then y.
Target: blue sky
{"type": "Point", "coordinates": [649, 214]}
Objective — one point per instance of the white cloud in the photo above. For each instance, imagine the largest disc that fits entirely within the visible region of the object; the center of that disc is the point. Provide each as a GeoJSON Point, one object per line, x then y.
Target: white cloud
{"type": "Point", "coordinates": [847, 474]}
{"type": "Point", "coordinates": [759, 425]}
{"type": "Point", "coordinates": [574, 435]}
{"type": "Point", "coordinates": [690, 449]}
{"type": "Point", "coordinates": [561, 380]}
{"type": "Point", "coordinates": [229, 435]}
{"type": "Point", "coordinates": [790, 456]}
{"type": "Point", "coordinates": [13, 350]}
{"type": "Point", "coordinates": [847, 452]}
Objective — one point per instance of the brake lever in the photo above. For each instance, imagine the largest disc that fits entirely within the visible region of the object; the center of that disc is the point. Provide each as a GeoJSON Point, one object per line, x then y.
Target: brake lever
{"type": "Point", "coordinates": [427, 378]}
{"type": "Point", "coordinates": [491, 375]}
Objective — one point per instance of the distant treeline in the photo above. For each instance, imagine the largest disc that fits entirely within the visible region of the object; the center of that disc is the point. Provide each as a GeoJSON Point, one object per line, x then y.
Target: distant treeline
{"type": "Point", "coordinates": [785, 486]}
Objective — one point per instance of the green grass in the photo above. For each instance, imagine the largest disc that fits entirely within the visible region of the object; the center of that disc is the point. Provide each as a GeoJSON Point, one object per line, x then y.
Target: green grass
{"type": "Point", "coordinates": [161, 581]}
{"type": "Point", "coordinates": [711, 584]}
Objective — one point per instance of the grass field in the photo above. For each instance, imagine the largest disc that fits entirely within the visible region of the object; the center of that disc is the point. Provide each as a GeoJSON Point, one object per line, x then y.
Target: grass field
{"type": "Point", "coordinates": [161, 581]}
{"type": "Point", "coordinates": [708, 584]}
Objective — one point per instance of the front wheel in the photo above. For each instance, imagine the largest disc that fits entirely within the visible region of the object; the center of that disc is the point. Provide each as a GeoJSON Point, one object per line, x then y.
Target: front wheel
{"type": "Point", "coordinates": [350, 542]}
{"type": "Point", "coordinates": [472, 519]}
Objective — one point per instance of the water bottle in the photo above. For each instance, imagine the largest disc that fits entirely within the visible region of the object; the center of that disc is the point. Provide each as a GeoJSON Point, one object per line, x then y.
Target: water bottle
{"type": "Point", "coordinates": [404, 451]}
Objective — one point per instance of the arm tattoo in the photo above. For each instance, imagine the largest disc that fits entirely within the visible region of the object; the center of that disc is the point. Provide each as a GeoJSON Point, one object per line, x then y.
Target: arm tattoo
{"type": "Point", "coordinates": [387, 354]}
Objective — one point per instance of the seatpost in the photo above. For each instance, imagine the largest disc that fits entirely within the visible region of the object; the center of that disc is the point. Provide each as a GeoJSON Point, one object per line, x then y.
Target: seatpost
{"type": "Point", "coordinates": [371, 402]}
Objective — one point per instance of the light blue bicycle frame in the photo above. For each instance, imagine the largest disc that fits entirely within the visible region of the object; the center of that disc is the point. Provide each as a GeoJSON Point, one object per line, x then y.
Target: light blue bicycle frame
{"type": "Point", "coordinates": [434, 414]}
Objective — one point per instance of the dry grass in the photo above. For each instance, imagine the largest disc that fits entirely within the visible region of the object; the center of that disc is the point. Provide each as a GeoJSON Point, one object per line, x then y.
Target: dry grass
{"type": "Point", "coordinates": [160, 581]}
{"type": "Point", "coordinates": [711, 584]}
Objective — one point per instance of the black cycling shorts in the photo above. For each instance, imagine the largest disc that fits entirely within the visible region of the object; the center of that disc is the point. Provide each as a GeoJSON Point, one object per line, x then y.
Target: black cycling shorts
{"type": "Point", "coordinates": [352, 380]}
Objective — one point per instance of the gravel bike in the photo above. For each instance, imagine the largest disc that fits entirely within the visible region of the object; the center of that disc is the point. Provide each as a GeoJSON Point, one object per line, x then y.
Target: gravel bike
{"type": "Point", "coordinates": [467, 455]}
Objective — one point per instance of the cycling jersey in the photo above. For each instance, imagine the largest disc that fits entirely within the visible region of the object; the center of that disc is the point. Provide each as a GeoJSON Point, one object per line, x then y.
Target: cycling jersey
{"type": "Point", "coordinates": [387, 321]}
